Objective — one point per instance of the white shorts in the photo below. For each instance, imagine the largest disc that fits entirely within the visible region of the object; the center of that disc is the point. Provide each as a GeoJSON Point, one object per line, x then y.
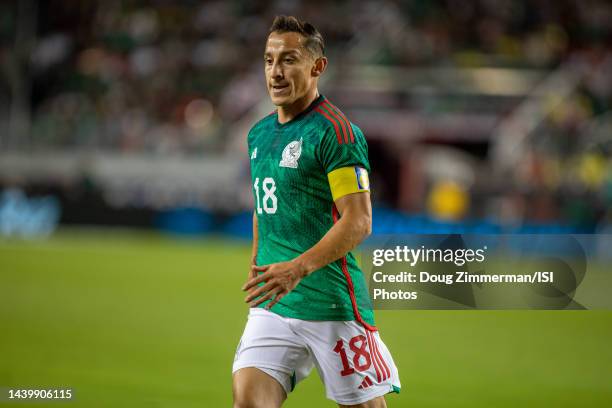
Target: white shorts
{"type": "Point", "coordinates": [354, 363]}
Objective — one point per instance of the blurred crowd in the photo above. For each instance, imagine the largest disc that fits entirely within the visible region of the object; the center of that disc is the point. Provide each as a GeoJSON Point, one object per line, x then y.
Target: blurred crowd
{"type": "Point", "coordinates": [566, 172]}
{"type": "Point", "coordinates": [171, 77]}
{"type": "Point", "coordinates": [167, 76]}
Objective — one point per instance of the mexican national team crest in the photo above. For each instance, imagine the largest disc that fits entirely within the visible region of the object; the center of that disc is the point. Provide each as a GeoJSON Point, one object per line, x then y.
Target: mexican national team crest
{"type": "Point", "coordinates": [291, 154]}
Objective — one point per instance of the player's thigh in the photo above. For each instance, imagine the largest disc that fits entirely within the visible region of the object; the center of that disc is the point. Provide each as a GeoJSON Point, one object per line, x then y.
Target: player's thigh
{"type": "Point", "coordinates": [252, 388]}
{"type": "Point", "coordinates": [271, 351]}
{"type": "Point", "coordinates": [378, 402]}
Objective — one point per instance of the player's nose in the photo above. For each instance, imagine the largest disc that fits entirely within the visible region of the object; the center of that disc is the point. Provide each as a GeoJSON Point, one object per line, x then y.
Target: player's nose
{"type": "Point", "coordinates": [277, 71]}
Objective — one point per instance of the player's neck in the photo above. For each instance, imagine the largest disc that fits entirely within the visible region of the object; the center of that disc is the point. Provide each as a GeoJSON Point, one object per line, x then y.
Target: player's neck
{"type": "Point", "coordinates": [289, 112]}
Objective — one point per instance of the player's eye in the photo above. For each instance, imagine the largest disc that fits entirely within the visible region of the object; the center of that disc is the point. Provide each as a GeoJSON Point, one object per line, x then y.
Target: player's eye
{"type": "Point", "coordinates": [268, 61]}
{"type": "Point", "coordinates": [289, 60]}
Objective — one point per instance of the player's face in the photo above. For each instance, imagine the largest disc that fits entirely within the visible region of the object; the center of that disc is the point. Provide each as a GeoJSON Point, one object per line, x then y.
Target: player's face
{"type": "Point", "coordinates": [289, 68]}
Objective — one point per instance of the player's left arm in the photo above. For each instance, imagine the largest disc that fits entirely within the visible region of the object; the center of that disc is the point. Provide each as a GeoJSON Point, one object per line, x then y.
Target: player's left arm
{"type": "Point", "coordinates": [354, 225]}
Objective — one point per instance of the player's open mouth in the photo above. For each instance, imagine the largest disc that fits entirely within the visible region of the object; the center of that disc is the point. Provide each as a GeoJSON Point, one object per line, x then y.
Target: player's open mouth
{"type": "Point", "coordinates": [277, 89]}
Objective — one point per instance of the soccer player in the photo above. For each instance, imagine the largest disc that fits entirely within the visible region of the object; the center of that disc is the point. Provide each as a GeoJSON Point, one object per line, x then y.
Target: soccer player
{"type": "Point", "coordinates": [308, 298]}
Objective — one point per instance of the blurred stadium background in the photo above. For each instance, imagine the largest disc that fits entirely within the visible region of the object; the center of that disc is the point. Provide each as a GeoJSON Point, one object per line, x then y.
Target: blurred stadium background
{"type": "Point", "coordinates": [122, 131]}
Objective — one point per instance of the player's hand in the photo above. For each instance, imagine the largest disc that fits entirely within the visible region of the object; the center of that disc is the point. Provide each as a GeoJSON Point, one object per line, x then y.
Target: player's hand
{"type": "Point", "coordinates": [279, 279]}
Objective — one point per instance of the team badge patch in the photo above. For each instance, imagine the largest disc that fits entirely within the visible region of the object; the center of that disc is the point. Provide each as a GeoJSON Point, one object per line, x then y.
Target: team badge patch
{"type": "Point", "coordinates": [363, 182]}
{"type": "Point", "coordinates": [291, 154]}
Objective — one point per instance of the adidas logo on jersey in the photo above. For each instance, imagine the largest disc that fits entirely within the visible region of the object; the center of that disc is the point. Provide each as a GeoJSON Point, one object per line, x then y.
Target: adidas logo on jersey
{"type": "Point", "coordinates": [254, 154]}
{"type": "Point", "coordinates": [365, 383]}
{"type": "Point", "coordinates": [291, 154]}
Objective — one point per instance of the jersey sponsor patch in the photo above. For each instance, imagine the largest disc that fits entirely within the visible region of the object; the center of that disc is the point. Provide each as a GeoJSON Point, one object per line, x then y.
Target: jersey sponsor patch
{"type": "Point", "coordinates": [348, 180]}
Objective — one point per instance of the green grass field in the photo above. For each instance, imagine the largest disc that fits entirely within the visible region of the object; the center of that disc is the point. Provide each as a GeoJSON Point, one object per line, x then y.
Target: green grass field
{"type": "Point", "coordinates": [135, 320]}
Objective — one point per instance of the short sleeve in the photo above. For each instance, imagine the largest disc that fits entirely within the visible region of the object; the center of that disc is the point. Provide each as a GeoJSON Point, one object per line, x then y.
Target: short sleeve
{"type": "Point", "coordinates": [335, 152]}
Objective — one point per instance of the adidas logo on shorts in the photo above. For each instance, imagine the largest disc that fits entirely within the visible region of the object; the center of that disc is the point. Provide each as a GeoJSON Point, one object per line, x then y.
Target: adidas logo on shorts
{"type": "Point", "coordinates": [365, 383]}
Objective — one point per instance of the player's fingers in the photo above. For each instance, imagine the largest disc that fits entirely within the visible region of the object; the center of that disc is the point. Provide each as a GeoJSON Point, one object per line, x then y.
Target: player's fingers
{"type": "Point", "coordinates": [262, 299]}
{"type": "Point", "coordinates": [252, 289]}
{"type": "Point", "coordinates": [274, 301]}
{"type": "Point", "coordinates": [259, 291]}
{"type": "Point", "coordinates": [254, 271]}
{"type": "Point", "coordinates": [255, 281]}
{"type": "Point", "coordinates": [260, 268]}
{"type": "Point", "coordinates": [256, 291]}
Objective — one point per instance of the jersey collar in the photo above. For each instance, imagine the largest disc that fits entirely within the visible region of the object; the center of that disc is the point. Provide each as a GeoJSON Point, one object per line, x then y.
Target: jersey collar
{"type": "Point", "coordinates": [303, 113]}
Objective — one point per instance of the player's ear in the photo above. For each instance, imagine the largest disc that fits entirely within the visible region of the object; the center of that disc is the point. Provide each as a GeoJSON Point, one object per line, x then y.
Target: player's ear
{"type": "Point", "coordinates": [319, 66]}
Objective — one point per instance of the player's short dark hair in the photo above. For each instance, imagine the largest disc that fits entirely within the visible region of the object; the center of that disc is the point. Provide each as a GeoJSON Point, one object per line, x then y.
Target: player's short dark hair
{"type": "Point", "coordinates": [290, 24]}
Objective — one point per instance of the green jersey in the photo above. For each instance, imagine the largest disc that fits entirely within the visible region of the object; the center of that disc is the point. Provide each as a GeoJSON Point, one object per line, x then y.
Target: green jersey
{"type": "Point", "coordinates": [290, 164]}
